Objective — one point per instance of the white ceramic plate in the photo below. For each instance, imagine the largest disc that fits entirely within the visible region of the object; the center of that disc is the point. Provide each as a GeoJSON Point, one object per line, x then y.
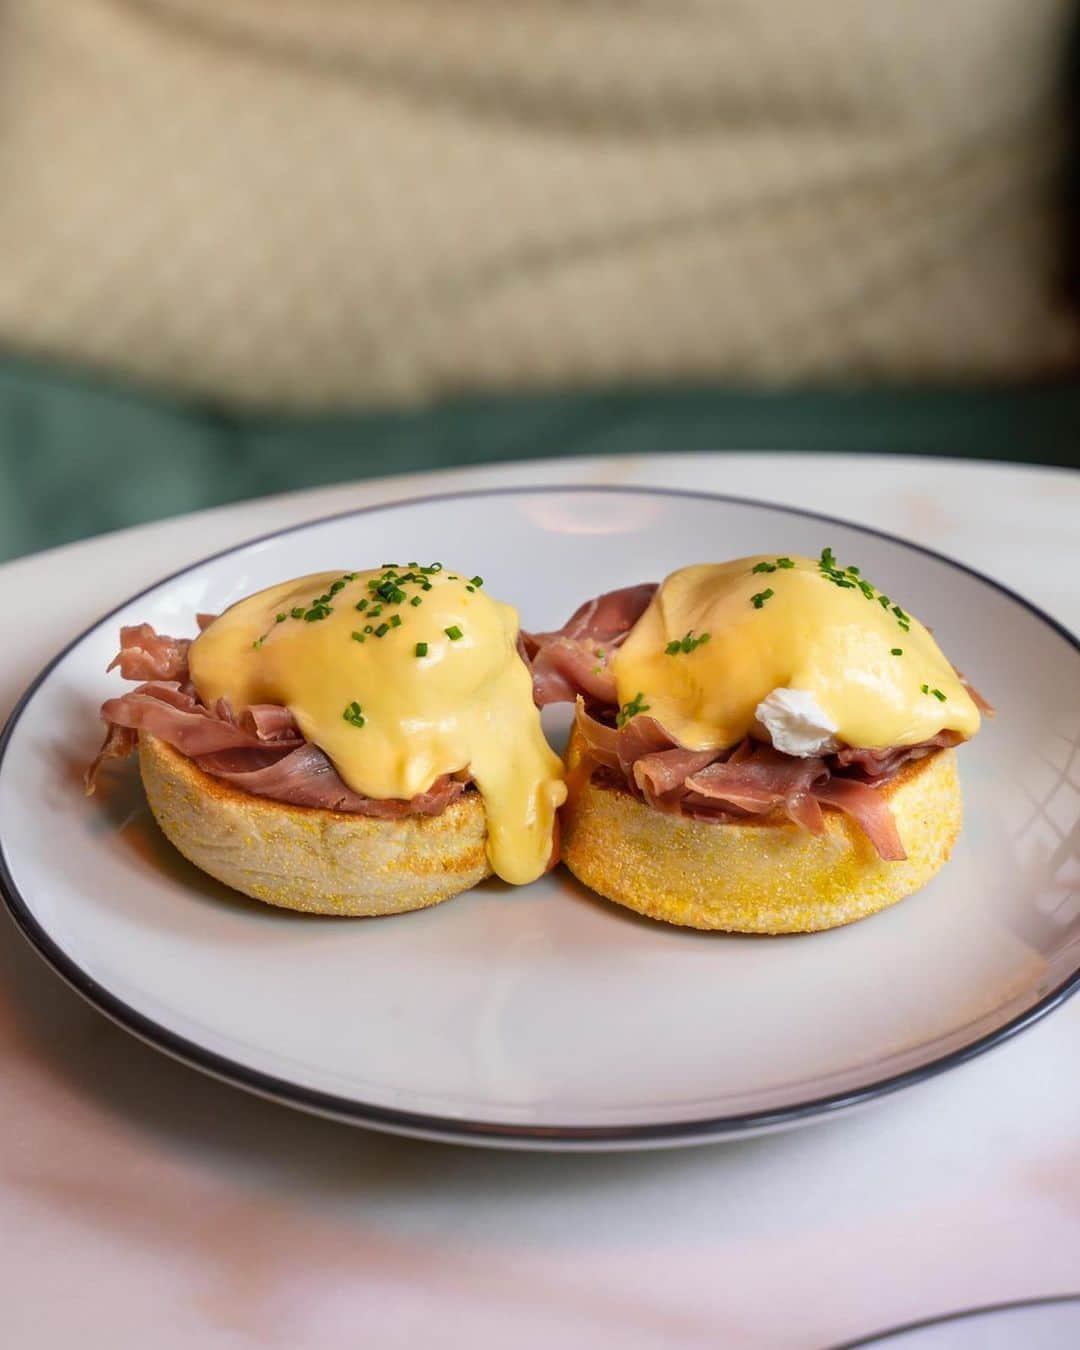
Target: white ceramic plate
{"type": "Point", "coordinates": [1040, 1324]}
{"type": "Point", "coordinates": [544, 1016]}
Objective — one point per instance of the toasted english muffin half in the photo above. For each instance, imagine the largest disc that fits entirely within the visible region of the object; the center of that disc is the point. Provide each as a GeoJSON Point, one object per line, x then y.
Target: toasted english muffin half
{"type": "Point", "coordinates": [764, 874]}
{"type": "Point", "coordinates": [305, 858]}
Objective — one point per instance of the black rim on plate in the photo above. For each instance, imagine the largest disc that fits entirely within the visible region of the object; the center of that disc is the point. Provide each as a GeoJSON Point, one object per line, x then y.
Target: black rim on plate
{"type": "Point", "coordinates": [449, 1127]}
{"type": "Point", "coordinates": [945, 1319]}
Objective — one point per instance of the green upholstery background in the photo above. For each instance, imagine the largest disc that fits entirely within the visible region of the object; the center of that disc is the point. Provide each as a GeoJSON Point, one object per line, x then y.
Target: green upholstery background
{"type": "Point", "coordinates": [78, 456]}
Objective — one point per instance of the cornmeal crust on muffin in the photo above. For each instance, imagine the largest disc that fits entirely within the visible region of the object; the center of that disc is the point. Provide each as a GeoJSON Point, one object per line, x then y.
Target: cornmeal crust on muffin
{"type": "Point", "coordinates": [309, 859]}
{"type": "Point", "coordinates": [763, 874]}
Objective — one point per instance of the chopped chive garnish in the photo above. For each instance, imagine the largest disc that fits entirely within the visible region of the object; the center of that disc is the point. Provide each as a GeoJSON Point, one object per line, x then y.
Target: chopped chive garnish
{"type": "Point", "coordinates": [416, 600]}
{"type": "Point", "coordinates": [258, 643]}
{"type": "Point", "coordinates": [759, 599]}
{"type": "Point", "coordinates": [280, 618]}
{"type": "Point", "coordinates": [938, 695]}
{"type": "Point", "coordinates": [354, 714]}
{"type": "Point", "coordinates": [470, 589]}
{"type": "Point", "coordinates": [361, 605]}
{"type": "Point", "coordinates": [368, 628]}
{"type": "Point", "coordinates": [351, 576]}
{"type": "Point", "coordinates": [376, 610]}
{"type": "Point", "coordinates": [853, 570]}
{"type": "Point", "coordinates": [298, 612]}
{"type": "Point", "coordinates": [896, 651]}
{"type": "Point", "coordinates": [784, 562]}
{"type": "Point", "coordinates": [337, 586]}
{"type": "Point", "coordinates": [453, 632]}
{"type": "Point", "coordinates": [477, 581]}
{"type": "Point", "coordinates": [421, 649]}
{"type": "Point", "coordinates": [382, 630]}
{"type": "Point", "coordinates": [925, 688]}
{"type": "Point", "coordinates": [358, 637]}
{"type": "Point", "coordinates": [763, 567]}
{"type": "Point", "coordinates": [631, 709]}
{"type": "Point", "coordinates": [395, 620]}
{"type": "Point", "coordinates": [687, 643]}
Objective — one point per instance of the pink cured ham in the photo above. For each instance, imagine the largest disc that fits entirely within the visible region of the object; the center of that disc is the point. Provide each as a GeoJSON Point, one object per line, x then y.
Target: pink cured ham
{"type": "Point", "coordinates": [305, 777]}
{"type": "Point", "coordinates": [748, 780]}
{"type": "Point", "coordinates": [146, 655]}
{"type": "Point", "coordinates": [259, 750]}
{"type": "Point", "coordinates": [885, 764]}
{"type": "Point", "coordinates": [762, 779]}
{"type": "Point", "coordinates": [576, 658]}
{"type": "Point", "coordinates": [870, 809]}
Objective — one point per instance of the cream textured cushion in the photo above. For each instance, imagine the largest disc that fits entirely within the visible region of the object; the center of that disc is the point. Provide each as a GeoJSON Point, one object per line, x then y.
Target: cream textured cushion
{"type": "Point", "coordinates": [313, 205]}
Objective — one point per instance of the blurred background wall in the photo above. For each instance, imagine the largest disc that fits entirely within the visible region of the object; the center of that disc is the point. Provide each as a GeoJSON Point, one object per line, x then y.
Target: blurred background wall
{"type": "Point", "coordinates": [270, 243]}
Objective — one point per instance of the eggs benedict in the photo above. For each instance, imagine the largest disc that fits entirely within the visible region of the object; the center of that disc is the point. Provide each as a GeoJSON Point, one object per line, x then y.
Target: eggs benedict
{"type": "Point", "coordinates": [761, 745]}
{"type": "Point", "coordinates": [346, 743]}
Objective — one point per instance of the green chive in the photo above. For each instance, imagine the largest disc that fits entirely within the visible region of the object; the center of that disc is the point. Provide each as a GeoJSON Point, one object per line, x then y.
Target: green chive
{"type": "Point", "coordinates": [281, 618]}
{"type": "Point", "coordinates": [416, 600]}
{"type": "Point", "coordinates": [382, 630]}
{"type": "Point", "coordinates": [421, 649]}
{"type": "Point", "coordinates": [453, 632]}
{"type": "Point", "coordinates": [938, 695]}
{"type": "Point", "coordinates": [758, 600]}
{"type": "Point", "coordinates": [477, 581]}
{"type": "Point", "coordinates": [358, 637]}
{"type": "Point", "coordinates": [631, 709]}
{"type": "Point", "coordinates": [298, 612]}
{"type": "Point", "coordinates": [395, 620]}
{"type": "Point", "coordinates": [896, 651]}
{"type": "Point", "coordinates": [784, 562]}
{"type": "Point", "coordinates": [763, 567]}
{"type": "Point", "coordinates": [354, 714]}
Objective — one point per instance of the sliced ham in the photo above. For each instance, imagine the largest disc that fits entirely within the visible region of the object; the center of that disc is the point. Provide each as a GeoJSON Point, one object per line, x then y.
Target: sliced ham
{"type": "Point", "coordinates": [885, 764]}
{"type": "Point", "coordinates": [869, 809]}
{"type": "Point", "coordinates": [604, 618]}
{"type": "Point", "coordinates": [761, 781]}
{"type": "Point", "coordinates": [305, 777]}
{"type": "Point", "coordinates": [270, 722]}
{"type": "Point", "coordinates": [750, 779]}
{"type": "Point", "coordinates": [663, 776]}
{"type": "Point", "coordinates": [563, 668]}
{"type": "Point", "coordinates": [260, 749]}
{"type": "Point", "coordinates": [576, 658]}
{"type": "Point", "coordinates": [146, 655]}
{"type": "Point", "coordinates": [187, 726]}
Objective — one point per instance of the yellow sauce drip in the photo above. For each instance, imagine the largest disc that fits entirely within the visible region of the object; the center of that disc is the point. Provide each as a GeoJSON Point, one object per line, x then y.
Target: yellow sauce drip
{"type": "Point", "coordinates": [464, 706]}
{"type": "Point", "coordinates": [810, 634]}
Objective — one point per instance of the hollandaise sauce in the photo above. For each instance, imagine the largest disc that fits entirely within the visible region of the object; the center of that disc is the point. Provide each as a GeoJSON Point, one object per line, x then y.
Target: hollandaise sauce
{"type": "Point", "coordinates": [717, 639]}
{"type": "Point", "coordinates": [399, 675]}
